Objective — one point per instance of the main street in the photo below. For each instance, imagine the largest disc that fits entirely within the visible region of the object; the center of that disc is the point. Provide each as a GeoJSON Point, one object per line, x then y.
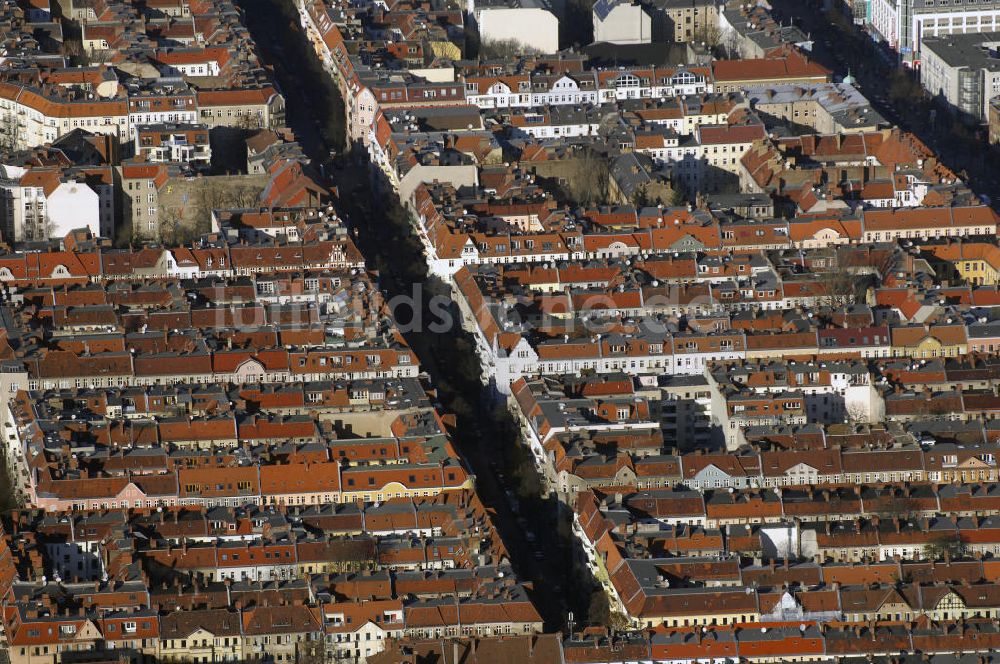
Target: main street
{"type": "Point", "coordinates": [534, 530]}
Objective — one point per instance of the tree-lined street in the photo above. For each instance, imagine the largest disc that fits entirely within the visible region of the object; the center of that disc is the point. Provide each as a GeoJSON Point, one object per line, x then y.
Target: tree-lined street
{"type": "Point", "coordinates": [533, 528]}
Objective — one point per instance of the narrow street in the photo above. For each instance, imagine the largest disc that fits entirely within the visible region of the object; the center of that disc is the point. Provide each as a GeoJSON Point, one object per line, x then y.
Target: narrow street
{"type": "Point", "coordinates": [895, 92]}
{"type": "Point", "coordinates": [534, 529]}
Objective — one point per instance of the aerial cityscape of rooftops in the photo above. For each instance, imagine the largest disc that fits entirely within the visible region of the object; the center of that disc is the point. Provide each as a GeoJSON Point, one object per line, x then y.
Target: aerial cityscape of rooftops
{"type": "Point", "coordinates": [500, 331]}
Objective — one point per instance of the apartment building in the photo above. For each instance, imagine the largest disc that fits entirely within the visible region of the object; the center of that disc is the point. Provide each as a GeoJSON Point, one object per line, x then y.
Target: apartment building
{"type": "Point", "coordinates": [683, 20]}
{"type": "Point", "coordinates": [141, 185]}
{"type": "Point", "coordinates": [173, 143]}
{"type": "Point", "coordinates": [261, 108]}
{"type": "Point", "coordinates": [831, 108]}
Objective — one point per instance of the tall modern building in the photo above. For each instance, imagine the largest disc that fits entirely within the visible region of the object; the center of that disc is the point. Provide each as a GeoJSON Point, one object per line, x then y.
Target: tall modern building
{"type": "Point", "coordinates": [964, 71]}
{"type": "Point", "coordinates": [903, 24]}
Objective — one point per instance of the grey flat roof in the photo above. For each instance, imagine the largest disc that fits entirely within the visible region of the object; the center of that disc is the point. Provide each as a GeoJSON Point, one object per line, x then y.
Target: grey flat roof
{"type": "Point", "coordinates": [973, 50]}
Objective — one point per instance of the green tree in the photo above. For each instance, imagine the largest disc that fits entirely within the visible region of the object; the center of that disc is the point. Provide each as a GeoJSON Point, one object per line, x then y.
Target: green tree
{"type": "Point", "coordinates": [678, 196]}
{"type": "Point", "coordinates": [640, 197]}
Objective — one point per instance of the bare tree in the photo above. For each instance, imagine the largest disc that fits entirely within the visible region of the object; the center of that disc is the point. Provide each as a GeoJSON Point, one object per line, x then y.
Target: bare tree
{"type": "Point", "coordinates": [213, 194]}
{"type": "Point", "coordinates": [618, 621]}
{"type": "Point", "coordinates": [245, 196]}
{"type": "Point", "coordinates": [844, 282]}
{"type": "Point", "coordinates": [508, 49]}
{"type": "Point", "coordinates": [352, 556]}
{"type": "Point", "coordinates": [587, 184]}
{"type": "Point", "coordinates": [48, 227]}
{"type": "Point", "coordinates": [580, 179]}
{"type": "Point", "coordinates": [857, 414]}
{"type": "Point", "coordinates": [210, 196]}
{"type": "Point", "coordinates": [73, 49]}
{"type": "Point", "coordinates": [710, 34]}
{"type": "Point", "coordinates": [10, 132]}
{"type": "Point", "coordinates": [898, 507]}
{"type": "Point", "coordinates": [945, 546]}
{"type": "Point", "coordinates": [248, 121]}
{"type": "Point", "coordinates": [600, 612]}
{"type": "Point", "coordinates": [729, 41]}
{"type": "Point", "coordinates": [310, 652]}
{"type": "Point", "coordinates": [838, 288]}
{"type": "Point", "coordinates": [99, 56]}
{"type": "Point", "coordinates": [170, 226]}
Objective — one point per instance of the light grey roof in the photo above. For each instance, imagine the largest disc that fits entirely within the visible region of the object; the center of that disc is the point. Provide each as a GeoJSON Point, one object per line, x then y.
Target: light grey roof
{"type": "Point", "coordinates": [974, 50]}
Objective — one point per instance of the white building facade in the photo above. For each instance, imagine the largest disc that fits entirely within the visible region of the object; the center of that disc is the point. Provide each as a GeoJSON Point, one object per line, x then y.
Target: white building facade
{"type": "Point", "coordinates": [531, 23]}
{"type": "Point", "coordinates": [621, 23]}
